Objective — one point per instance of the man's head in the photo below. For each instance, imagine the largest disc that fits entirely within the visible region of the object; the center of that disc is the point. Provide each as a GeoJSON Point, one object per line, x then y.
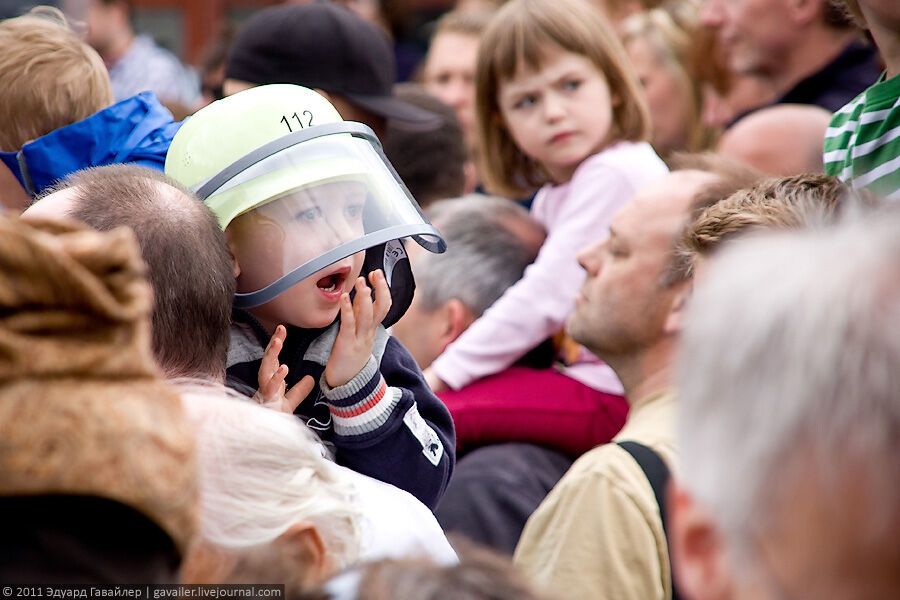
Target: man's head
{"type": "Point", "coordinates": [187, 258]}
{"type": "Point", "coordinates": [49, 78]}
{"type": "Point", "coordinates": [635, 279]}
{"type": "Point", "coordinates": [629, 293]}
{"type": "Point", "coordinates": [786, 203]}
{"type": "Point", "coordinates": [760, 36]}
{"type": "Point", "coordinates": [108, 21]}
{"type": "Point", "coordinates": [328, 48]}
{"type": "Point", "coordinates": [789, 423]}
{"type": "Point", "coordinates": [295, 520]}
{"type": "Point", "coordinates": [780, 140]}
{"type": "Point", "coordinates": [490, 241]}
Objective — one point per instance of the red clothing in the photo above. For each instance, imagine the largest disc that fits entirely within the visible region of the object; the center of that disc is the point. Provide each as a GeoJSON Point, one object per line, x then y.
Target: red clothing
{"type": "Point", "coordinates": [538, 406]}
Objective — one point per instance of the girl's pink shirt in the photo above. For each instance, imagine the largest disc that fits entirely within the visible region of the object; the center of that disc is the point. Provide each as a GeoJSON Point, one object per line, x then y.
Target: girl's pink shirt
{"type": "Point", "coordinates": [576, 214]}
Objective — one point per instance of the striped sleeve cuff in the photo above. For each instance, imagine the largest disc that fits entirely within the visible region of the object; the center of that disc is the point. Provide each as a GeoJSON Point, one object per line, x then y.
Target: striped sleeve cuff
{"type": "Point", "coordinates": [361, 405]}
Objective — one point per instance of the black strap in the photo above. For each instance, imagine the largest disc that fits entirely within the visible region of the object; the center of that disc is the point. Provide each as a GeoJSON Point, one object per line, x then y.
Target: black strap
{"type": "Point", "coordinates": [658, 476]}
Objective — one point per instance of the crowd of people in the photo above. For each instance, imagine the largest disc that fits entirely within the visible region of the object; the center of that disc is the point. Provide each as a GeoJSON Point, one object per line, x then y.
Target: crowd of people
{"type": "Point", "coordinates": [602, 303]}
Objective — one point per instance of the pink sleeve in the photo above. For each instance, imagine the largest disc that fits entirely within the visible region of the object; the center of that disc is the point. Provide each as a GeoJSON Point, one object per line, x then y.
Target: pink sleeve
{"type": "Point", "coordinates": [536, 307]}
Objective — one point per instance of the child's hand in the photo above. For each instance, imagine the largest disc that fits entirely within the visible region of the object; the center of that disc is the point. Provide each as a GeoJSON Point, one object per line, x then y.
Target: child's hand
{"type": "Point", "coordinates": [272, 388]}
{"type": "Point", "coordinates": [359, 322]}
{"type": "Point", "coordinates": [434, 381]}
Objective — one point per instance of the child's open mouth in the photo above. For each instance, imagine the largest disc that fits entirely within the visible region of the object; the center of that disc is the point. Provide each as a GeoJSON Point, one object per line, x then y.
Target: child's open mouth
{"type": "Point", "coordinates": [332, 285]}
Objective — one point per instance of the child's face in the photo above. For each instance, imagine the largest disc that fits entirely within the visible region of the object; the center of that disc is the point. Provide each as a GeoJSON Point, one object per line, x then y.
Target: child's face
{"type": "Point", "coordinates": [276, 238]}
{"type": "Point", "coordinates": [559, 114]}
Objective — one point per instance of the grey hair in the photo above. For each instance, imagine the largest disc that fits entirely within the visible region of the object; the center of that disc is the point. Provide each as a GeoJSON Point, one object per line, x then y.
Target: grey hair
{"type": "Point", "coordinates": [485, 254]}
{"type": "Point", "coordinates": [262, 471]}
{"type": "Point", "coordinates": [791, 358]}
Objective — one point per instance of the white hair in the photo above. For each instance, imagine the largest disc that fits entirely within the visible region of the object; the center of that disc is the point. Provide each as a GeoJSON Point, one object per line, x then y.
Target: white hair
{"type": "Point", "coordinates": [791, 358]}
{"type": "Point", "coordinates": [262, 471]}
{"type": "Point", "coordinates": [490, 242]}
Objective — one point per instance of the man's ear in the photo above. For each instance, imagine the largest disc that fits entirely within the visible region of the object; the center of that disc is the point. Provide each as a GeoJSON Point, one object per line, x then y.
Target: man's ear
{"type": "Point", "coordinates": [675, 319]}
{"type": "Point", "coordinates": [303, 546]}
{"type": "Point", "coordinates": [235, 266]}
{"type": "Point", "coordinates": [803, 12]}
{"type": "Point", "coordinates": [12, 194]}
{"type": "Point", "coordinates": [457, 318]}
{"type": "Point", "coordinates": [698, 552]}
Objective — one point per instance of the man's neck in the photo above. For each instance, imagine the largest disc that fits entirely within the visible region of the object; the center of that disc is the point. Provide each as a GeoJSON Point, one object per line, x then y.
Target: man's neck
{"type": "Point", "coordinates": [820, 47]}
{"type": "Point", "coordinates": [888, 42]}
{"type": "Point", "coordinates": [645, 373]}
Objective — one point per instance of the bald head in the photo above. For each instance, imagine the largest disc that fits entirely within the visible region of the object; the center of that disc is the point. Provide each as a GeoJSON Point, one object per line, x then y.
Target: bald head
{"type": "Point", "coordinates": [781, 140]}
{"type": "Point", "coordinates": [188, 263]}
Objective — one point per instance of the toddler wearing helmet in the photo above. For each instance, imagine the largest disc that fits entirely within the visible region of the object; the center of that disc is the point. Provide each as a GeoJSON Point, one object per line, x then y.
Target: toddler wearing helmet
{"type": "Point", "coordinates": [313, 211]}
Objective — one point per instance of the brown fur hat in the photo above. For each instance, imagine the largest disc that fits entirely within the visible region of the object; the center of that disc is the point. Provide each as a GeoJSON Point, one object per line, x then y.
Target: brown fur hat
{"type": "Point", "coordinates": [83, 408]}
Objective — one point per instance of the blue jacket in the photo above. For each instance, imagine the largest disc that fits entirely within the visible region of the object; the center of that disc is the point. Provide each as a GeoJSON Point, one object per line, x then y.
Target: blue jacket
{"type": "Point", "coordinates": [136, 130]}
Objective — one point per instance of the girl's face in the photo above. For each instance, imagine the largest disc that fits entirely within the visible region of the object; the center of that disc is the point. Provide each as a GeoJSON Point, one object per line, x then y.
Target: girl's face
{"type": "Point", "coordinates": [559, 114]}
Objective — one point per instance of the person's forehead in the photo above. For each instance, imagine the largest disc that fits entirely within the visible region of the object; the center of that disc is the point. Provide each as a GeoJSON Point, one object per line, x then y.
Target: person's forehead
{"type": "Point", "coordinates": [556, 63]}
{"type": "Point", "coordinates": [661, 206]}
{"type": "Point", "coordinates": [451, 51]}
{"type": "Point", "coordinates": [55, 205]}
{"type": "Point", "coordinates": [455, 38]}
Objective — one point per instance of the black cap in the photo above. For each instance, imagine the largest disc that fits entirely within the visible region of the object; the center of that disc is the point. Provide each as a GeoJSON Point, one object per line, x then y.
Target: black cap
{"type": "Point", "coordinates": [325, 46]}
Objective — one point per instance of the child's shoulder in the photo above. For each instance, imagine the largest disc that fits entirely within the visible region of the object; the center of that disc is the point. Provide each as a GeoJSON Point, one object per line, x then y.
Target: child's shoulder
{"type": "Point", "coordinates": [632, 160]}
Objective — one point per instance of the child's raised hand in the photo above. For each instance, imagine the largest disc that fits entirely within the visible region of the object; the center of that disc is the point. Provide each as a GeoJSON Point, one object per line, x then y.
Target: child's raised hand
{"type": "Point", "coordinates": [359, 322]}
{"type": "Point", "coordinates": [272, 388]}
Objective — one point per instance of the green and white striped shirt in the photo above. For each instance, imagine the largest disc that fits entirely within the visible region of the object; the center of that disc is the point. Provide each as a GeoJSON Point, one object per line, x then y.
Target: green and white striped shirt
{"type": "Point", "coordinates": [862, 142]}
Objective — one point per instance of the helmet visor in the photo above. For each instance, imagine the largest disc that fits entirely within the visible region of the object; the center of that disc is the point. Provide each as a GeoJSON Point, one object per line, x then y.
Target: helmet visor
{"type": "Point", "coordinates": [314, 203]}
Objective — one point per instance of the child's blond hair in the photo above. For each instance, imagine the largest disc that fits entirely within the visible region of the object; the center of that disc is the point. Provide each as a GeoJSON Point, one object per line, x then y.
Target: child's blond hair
{"type": "Point", "coordinates": [520, 34]}
{"type": "Point", "coordinates": [49, 78]}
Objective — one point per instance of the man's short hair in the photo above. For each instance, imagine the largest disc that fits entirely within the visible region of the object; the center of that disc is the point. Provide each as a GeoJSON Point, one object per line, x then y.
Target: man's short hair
{"type": "Point", "coordinates": [730, 176]}
{"type": "Point", "coordinates": [189, 266]}
{"type": "Point", "coordinates": [49, 78]}
{"type": "Point", "coordinates": [490, 243]}
{"type": "Point", "coordinates": [430, 164]}
{"type": "Point", "coordinates": [774, 203]}
{"type": "Point", "coordinates": [790, 367]}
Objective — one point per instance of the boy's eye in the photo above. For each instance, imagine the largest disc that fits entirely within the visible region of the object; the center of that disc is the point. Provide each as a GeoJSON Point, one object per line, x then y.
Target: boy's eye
{"type": "Point", "coordinates": [571, 84]}
{"type": "Point", "coordinates": [353, 211]}
{"type": "Point", "coordinates": [309, 214]}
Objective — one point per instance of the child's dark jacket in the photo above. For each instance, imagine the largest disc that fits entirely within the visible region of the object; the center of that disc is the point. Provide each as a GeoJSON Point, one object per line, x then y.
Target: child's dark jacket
{"type": "Point", "coordinates": [385, 423]}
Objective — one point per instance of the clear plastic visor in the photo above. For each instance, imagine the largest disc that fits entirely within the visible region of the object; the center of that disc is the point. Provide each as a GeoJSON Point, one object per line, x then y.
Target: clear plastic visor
{"type": "Point", "coordinates": [326, 199]}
